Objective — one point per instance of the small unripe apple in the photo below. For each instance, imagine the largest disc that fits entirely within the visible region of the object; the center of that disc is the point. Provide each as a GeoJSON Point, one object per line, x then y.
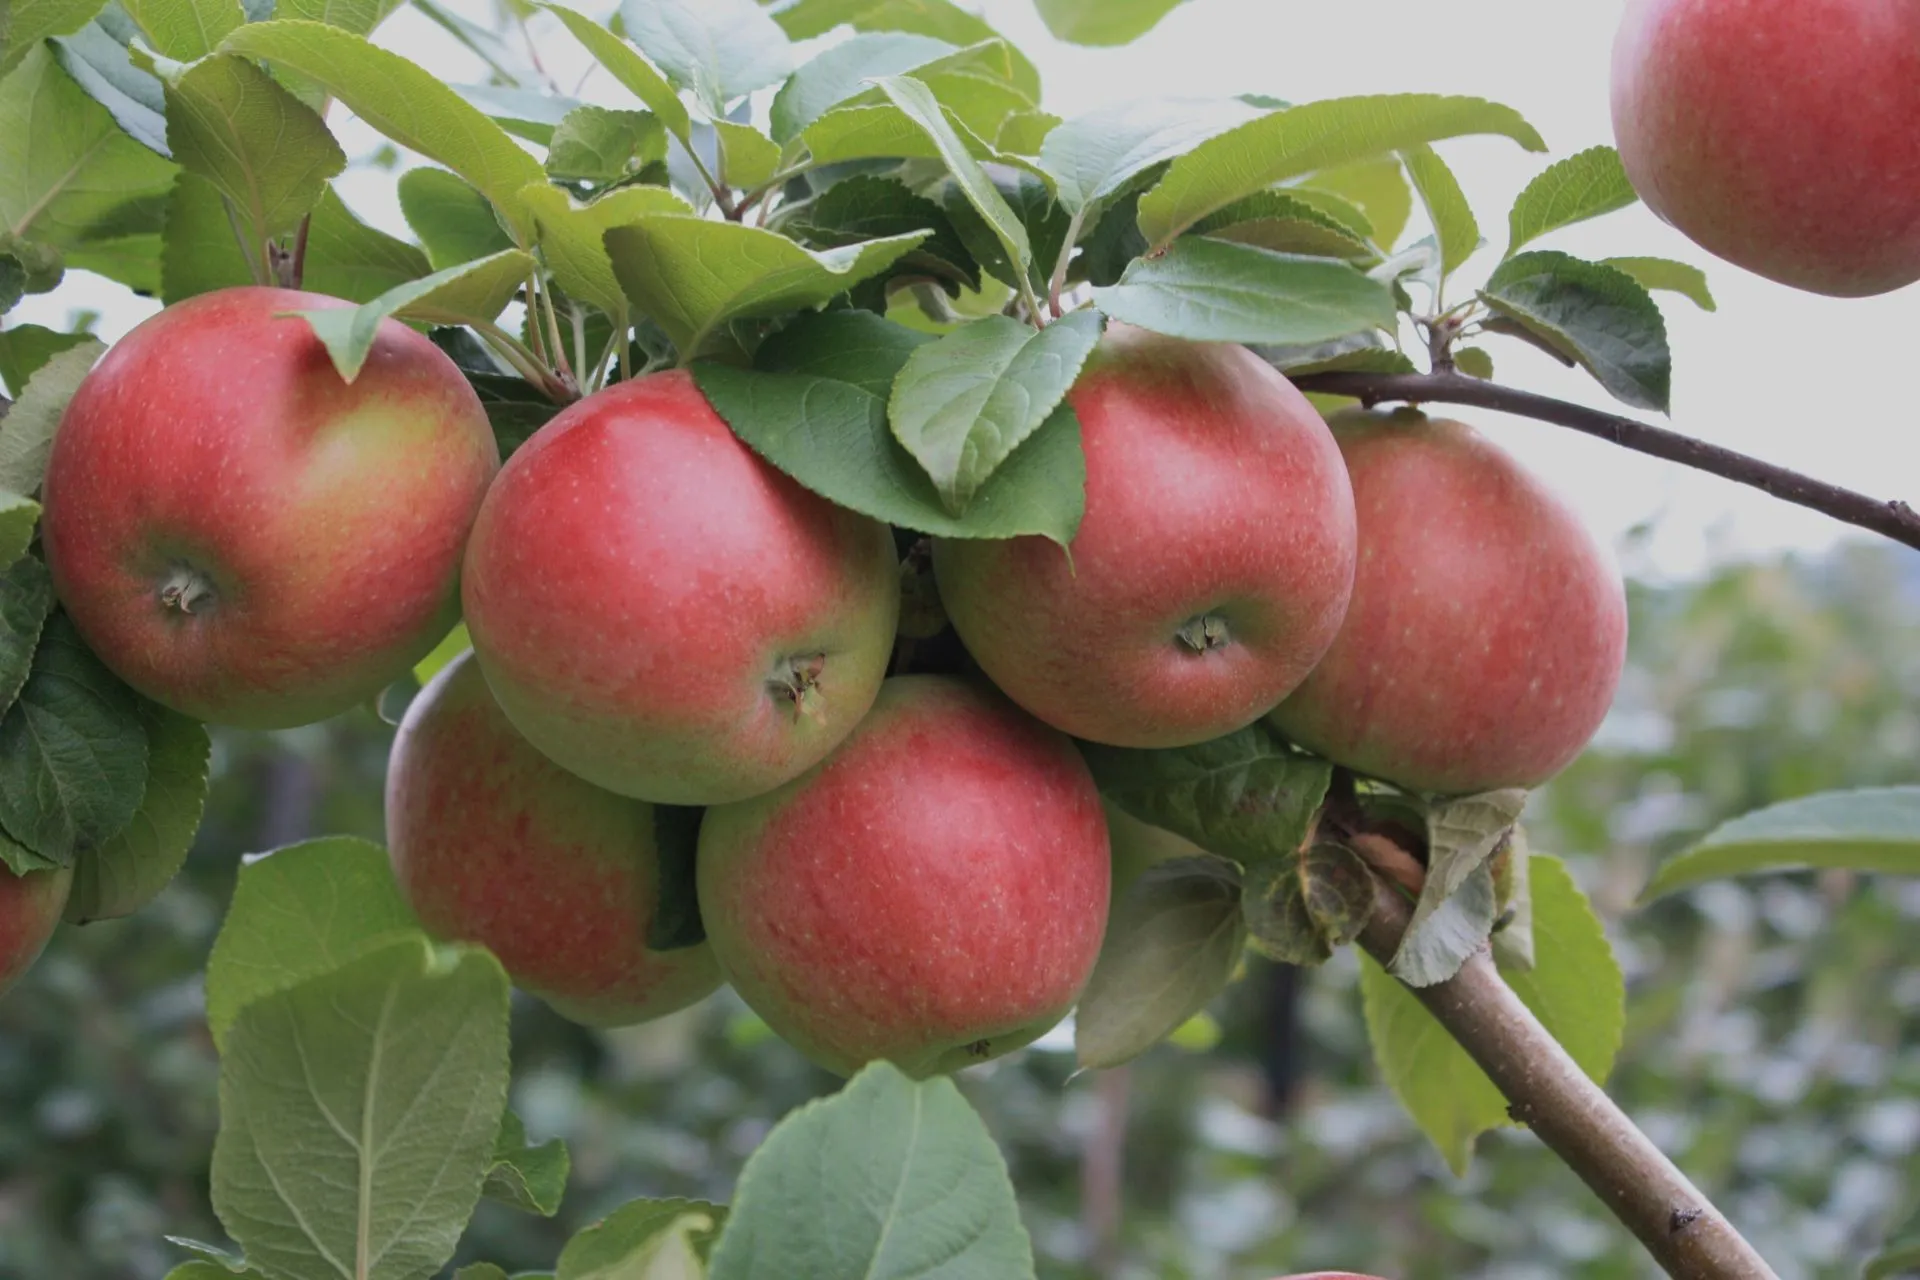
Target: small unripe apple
{"type": "Point", "coordinates": [1779, 134]}
{"type": "Point", "coordinates": [933, 894]}
{"type": "Point", "coordinates": [1209, 573]}
{"type": "Point", "coordinates": [494, 843]}
{"type": "Point", "coordinates": [245, 537]}
{"type": "Point", "coordinates": [1487, 628]}
{"type": "Point", "coordinates": [30, 907]}
{"type": "Point", "coordinates": [666, 615]}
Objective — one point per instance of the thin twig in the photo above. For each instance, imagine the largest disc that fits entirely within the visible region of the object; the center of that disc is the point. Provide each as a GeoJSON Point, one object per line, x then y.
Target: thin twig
{"type": "Point", "coordinates": [1891, 518]}
{"type": "Point", "coordinates": [297, 274]}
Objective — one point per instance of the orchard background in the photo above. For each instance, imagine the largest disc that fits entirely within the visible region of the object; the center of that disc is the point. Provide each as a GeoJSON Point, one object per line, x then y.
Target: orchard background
{"type": "Point", "coordinates": [1770, 1033]}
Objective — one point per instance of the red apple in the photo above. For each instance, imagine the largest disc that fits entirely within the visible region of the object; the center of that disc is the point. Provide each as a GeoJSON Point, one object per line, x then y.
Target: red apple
{"type": "Point", "coordinates": [1779, 134]}
{"type": "Point", "coordinates": [494, 843]}
{"type": "Point", "coordinates": [30, 907]}
{"type": "Point", "coordinates": [245, 537]}
{"type": "Point", "coordinates": [665, 614]}
{"type": "Point", "coordinates": [1211, 569]}
{"type": "Point", "coordinates": [933, 894]}
{"type": "Point", "coordinates": [1487, 628]}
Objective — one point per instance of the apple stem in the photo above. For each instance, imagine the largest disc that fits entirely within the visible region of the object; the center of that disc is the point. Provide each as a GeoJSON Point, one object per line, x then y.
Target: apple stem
{"type": "Point", "coordinates": [183, 589]}
{"type": "Point", "coordinates": [1205, 633]}
{"type": "Point", "coordinates": [798, 681]}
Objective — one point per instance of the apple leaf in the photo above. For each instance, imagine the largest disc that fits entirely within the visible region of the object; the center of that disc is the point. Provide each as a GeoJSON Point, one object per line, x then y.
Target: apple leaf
{"type": "Point", "coordinates": [1454, 226]}
{"type": "Point", "coordinates": [125, 872]}
{"type": "Point", "coordinates": [1664, 273]}
{"type": "Point", "coordinates": [69, 166]}
{"type": "Point", "coordinates": [748, 157]}
{"type": "Point", "coordinates": [572, 235]}
{"type": "Point", "coordinates": [717, 50]}
{"type": "Point", "coordinates": [963, 403]}
{"type": "Point", "coordinates": [816, 408]}
{"type": "Point", "coordinates": [1457, 904]}
{"type": "Point", "coordinates": [1172, 945]}
{"type": "Point", "coordinates": [528, 1178]}
{"type": "Point", "coordinates": [1214, 291]}
{"type": "Point", "coordinates": [1246, 796]}
{"type": "Point", "coordinates": [1371, 196]}
{"type": "Point", "coordinates": [25, 347]}
{"type": "Point", "coordinates": [533, 114]}
{"type": "Point", "coordinates": [26, 433]}
{"type": "Point", "coordinates": [18, 517]}
{"type": "Point", "coordinates": [73, 753]}
{"type": "Point", "coordinates": [941, 19]}
{"type": "Point", "coordinates": [401, 100]}
{"type": "Point", "coordinates": [359, 1110]}
{"type": "Point", "coordinates": [1473, 362]}
{"type": "Point", "coordinates": [1302, 906]}
{"type": "Point", "coordinates": [452, 219]}
{"type": "Point", "coordinates": [888, 1179]}
{"type": "Point", "coordinates": [1103, 22]}
{"type": "Point", "coordinates": [185, 29]}
{"type": "Point", "coordinates": [1046, 224]}
{"type": "Point", "coordinates": [451, 646]}
{"type": "Point", "coordinates": [1874, 829]}
{"type": "Point", "coordinates": [1513, 944]}
{"type": "Point", "coordinates": [1319, 135]}
{"type": "Point", "coordinates": [630, 1242]}
{"type": "Point", "coordinates": [99, 57]}
{"type": "Point", "coordinates": [870, 207]}
{"type": "Point", "coordinates": [1573, 190]}
{"type": "Point", "coordinates": [845, 71]}
{"type": "Point", "coordinates": [1594, 314]}
{"type": "Point", "coordinates": [267, 152]}
{"type": "Point", "coordinates": [691, 275]}
{"type": "Point", "coordinates": [1356, 353]}
{"type": "Point", "coordinates": [1285, 223]}
{"type": "Point", "coordinates": [1575, 989]}
{"type": "Point", "coordinates": [468, 293]}
{"type": "Point", "coordinates": [357, 16]}
{"type": "Point", "coordinates": [32, 21]}
{"type": "Point", "coordinates": [297, 913]}
{"type": "Point", "coordinates": [598, 145]}
{"type": "Point", "coordinates": [26, 601]}
{"type": "Point", "coordinates": [625, 64]}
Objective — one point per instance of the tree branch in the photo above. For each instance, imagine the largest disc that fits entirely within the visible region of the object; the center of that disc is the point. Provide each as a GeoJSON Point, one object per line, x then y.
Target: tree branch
{"type": "Point", "coordinates": [1550, 1094]}
{"type": "Point", "coordinates": [1893, 519]}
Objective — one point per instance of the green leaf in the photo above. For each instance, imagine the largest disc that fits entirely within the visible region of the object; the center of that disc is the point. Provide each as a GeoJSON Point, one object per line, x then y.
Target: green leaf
{"type": "Point", "coordinates": [402, 101]}
{"type": "Point", "coordinates": [572, 235]}
{"type": "Point", "coordinates": [1300, 907]}
{"type": "Point", "coordinates": [1664, 273]}
{"type": "Point", "coordinates": [1870, 829]}
{"type": "Point", "coordinates": [1457, 905]}
{"type": "Point", "coordinates": [185, 29]}
{"type": "Point", "coordinates": [357, 16]}
{"type": "Point", "coordinates": [962, 404]}
{"type": "Point", "coordinates": [1246, 796]}
{"type": "Point", "coordinates": [1473, 362]}
{"type": "Point", "coordinates": [816, 408]}
{"type": "Point", "coordinates": [1300, 140]}
{"type": "Point", "coordinates": [1103, 22]}
{"type": "Point", "coordinates": [73, 753]}
{"type": "Point", "coordinates": [127, 871]}
{"type": "Point", "coordinates": [99, 57]}
{"type": "Point", "coordinates": [25, 347]}
{"type": "Point", "coordinates": [1371, 196]}
{"type": "Point", "coordinates": [629, 1242]}
{"type": "Point", "coordinates": [358, 1112]}
{"type": "Point", "coordinates": [1513, 888]}
{"type": "Point", "coordinates": [1580, 187]}
{"type": "Point", "coordinates": [1575, 989]}
{"type": "Point", "coordinates": [297, 913]}
{"type": "Point", "coordinates": [469, 293]}
{"type": "Point", "coordinates": [26, 601]}
{"type": "Point", "coordinates": [202, 1269]}
{"type": "Point", "coordinates": [1454, 225]}
{"type": "Point", "coordinates": [628, 67]}
{"type": "Point", "coordinates": [453, 220]}
{"type": "Point", "coordinates": [69, 167]}
{"type": "Point", "coordinates": [691, 275]}
{"type": "Point", "coordinates": [18, 516]}
{"type": "Point", "coordinates": [1034, 209]}
{"type": "Point", "coordinates": [26, 433]}
{"type": "Point", "coordinates": [1358, 353]}
{"type": "Point", "coordinates": [32, 21]}
{"type": "Point", "coordinates": [198, 251]}
{"type": "Point", "coordinates": [870, 207]}
{"type": "Point", "coordinates": [1171, 947]}
{"type": "Point", "coordinates": [1214, 291]}
{"type": "Point", "coordinates": [1285, 223]}
{"type": "Point", "coordinates": [889, 1179]}
{"type": "Point", "coordinates": [844, 71]}
{"type": "Point", "coordinates": [532, 114]}
{"type": "Point", "coordinates": [748, 157]}
{"type": "Point", "coordinates": [1595, 314]}
{"type": "Point", "coordinates": [594, 144]}
{"type": "Point", "coordinates": [455, 643]}
{"type": "Point", "coordinates": [940, 19]}
{"type": "Point", "coordinates": [1900, 1257]}
{"type": "Point", "coordinates": [267, 152]}
{"type": "Point", "coordinates": [718, 50]}
{"type": "Point", "coordinates": [528, 1178]}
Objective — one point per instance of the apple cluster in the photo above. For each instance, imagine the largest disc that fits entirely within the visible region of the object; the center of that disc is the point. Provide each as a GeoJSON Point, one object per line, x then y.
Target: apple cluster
{"type": "Point", "coordinates": [666, 628]}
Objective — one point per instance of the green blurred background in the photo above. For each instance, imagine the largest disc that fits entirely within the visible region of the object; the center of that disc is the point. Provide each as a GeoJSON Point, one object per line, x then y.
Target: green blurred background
{"type": "Point", "coordinates": [1773, 1045]}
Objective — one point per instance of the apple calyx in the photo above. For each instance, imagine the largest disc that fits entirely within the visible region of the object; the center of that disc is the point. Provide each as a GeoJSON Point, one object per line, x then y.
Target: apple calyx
{"type": "Point", "coordinates": [184, 588]}
{"type": "Point", "coordinates": [1204, 633]}
{"type": "Point", "coordinates": [796, 680]}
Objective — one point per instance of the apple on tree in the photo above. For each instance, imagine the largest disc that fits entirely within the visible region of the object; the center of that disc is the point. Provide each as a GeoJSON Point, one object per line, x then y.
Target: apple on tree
{"type": "Point", "coordinates": [933, 894]}
{"type": "Point", "coordinates": [666, 615]}
{"type": "Point", "coordinates": [493, 843]}
{"type": "Point", "coordinates": [1209, 573]}
{"type": "Point", "coordinates": [30, 907]}
{"type": "Point", "coordinates": [1487, 628]}
{"type": "Point", "coordinates": [247, 538]}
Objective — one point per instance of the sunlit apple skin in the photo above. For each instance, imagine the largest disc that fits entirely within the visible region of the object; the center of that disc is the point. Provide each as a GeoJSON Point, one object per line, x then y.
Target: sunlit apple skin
{"type": "Point", "coordinates": [934, 894]}
{"type": "Point", "coordinates": [493, 843]}
{"type": "Point", "coordinates": [245, 537]}
{"type": "Point", "coordinates": [1487, 628]}
{"type": "Point", "coordinates": [1779, 134]}
{"type": "Point", "coordinates": [30, 907]}
{"type": "Point", "coordinates": [666, 615]}
{"type": "Point", "coordinates": [1211, 569]}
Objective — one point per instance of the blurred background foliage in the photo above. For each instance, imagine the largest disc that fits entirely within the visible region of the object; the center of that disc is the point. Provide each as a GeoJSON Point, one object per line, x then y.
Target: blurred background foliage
{"type": "Point", "coordinates": [1773, 1046]}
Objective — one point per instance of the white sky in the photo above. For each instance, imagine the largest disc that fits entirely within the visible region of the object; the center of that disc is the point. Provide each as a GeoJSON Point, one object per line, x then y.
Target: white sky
{"type": "Point", "coordinates": [1777, 373]}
